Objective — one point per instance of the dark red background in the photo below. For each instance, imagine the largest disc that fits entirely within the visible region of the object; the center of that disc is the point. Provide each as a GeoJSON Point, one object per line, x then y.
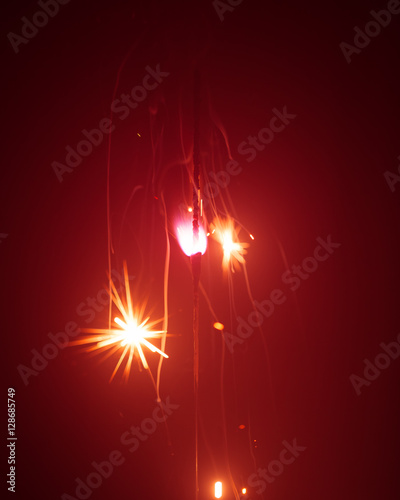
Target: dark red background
{"type": "Point", "coordinates": [323, 175]}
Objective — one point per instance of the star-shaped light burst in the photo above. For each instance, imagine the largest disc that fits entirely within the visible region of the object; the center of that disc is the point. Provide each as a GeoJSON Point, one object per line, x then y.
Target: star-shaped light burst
{"type": "Point", "coordinates": [131, 336]}
{"type": "Point", "coordinates": [226, 234]}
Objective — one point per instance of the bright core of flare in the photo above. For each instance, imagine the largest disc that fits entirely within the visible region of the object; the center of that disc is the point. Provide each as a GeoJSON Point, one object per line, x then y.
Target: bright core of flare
{"type": "Point", "coordinates": [225, 232]}
{"type": "Point", "coordinates": [229, 246]}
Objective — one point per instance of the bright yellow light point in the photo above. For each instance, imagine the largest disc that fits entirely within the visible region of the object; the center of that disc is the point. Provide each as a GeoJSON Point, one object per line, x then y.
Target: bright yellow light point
{"type": "Point", "coordinates": [228, 245]}
{"type": "Point", "coordinates": [218, 326]}
{"type": "Point", "coordinates": [244, 491]}
{"type": "Point", "coordinates": [137, 133]}
{"type": "Point", "coordinates": [218, 489]}
{"type": "Point", "coordinates": [251, 236]}
{"type": "Point", "coordinates": [233, 249]}
{"type": "Point", "coordinates": [190, 209]}
{"type": "Point", "coordinates": [131, 336]}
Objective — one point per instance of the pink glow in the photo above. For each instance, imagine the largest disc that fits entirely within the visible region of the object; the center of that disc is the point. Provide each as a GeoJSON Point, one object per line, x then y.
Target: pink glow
{"type": "Point", "coordinates": [184, 232]}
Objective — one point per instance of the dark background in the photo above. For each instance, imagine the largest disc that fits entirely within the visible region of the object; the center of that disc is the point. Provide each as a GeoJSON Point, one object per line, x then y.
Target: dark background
{"type": "Point", "coordinates": [323, 175]}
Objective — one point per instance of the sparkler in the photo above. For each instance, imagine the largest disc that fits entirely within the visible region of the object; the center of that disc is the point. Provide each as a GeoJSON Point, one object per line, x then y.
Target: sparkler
{"type": "Point", "coordinates": [196, 264]}
{"type": "Point", "coordinates": [193, 242]}
{"type": "Point", "coordinates": [131, 336]}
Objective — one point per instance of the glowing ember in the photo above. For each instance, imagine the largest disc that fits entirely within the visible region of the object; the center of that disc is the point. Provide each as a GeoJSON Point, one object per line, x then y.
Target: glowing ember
{"type": "Point", "coordinates": [218, 326]}
{"type": "Point", "coordinates": [188, 243]}
{"type": "Point", "coordinates": [130, 337]}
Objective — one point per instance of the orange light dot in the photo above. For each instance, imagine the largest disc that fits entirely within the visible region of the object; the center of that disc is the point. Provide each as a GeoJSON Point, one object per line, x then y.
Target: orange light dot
{"type": "Point", "coordinates": [190, 209]}
{"type": "Point", "coordinates": [244, 491]}
{"type": "Point", "coordinates": [252, 237]}
{"type": "Point", "coordinates": [218, 326]}
{"type": "Point", "coordinates": [241, 426]}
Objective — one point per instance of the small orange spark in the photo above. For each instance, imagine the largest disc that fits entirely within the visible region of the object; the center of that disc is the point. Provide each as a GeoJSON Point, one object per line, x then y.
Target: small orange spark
{"type": "Point", "coordinates": [218, 326]}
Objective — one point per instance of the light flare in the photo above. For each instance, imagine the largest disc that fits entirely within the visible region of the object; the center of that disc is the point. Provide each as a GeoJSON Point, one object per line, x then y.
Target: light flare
{"type": "Point", "coordinates": [226, 234]}
{"type": "Point", "coordinates": [131, 336]}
